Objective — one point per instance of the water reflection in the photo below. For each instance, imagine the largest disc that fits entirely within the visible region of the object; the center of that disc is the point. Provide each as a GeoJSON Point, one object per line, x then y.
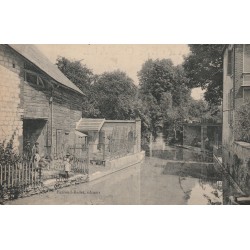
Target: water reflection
{"type": "Point", "coordinates": [233, 188]}
{"type": "Point", "coordinates": [207, 188]}
{"type": "Point", "coordinates": [181, 154]}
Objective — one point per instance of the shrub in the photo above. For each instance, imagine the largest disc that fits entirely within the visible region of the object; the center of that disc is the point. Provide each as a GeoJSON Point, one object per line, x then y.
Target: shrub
{"type": "Point", "coordinates": [242, 123]}
{"type": "Point", "coordinates": [7, 153]}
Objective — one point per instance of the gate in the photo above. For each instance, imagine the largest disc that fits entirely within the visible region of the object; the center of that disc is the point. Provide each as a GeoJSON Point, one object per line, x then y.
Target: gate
{"type": "Point", "coordinates": [80, 158]}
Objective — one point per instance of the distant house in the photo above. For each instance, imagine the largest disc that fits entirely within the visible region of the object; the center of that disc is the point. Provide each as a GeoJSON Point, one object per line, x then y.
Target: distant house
{"type": "Point", "coordinates": [37, 102]}
{"type": "Point", "coordinates": [236, 93]}
{"type": "Point", "coordinates": [196, 133]}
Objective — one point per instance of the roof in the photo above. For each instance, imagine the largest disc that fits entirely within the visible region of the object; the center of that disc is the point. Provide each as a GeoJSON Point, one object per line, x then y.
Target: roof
{"type": "Point", "coordinates": [80, 134]}
{"type": "Point", "coordinates": [35, 56]}
{"type": "Point", "coordinates": [88, 124]}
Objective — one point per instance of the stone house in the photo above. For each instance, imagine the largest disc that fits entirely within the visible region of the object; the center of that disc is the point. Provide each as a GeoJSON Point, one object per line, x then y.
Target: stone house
{"type": "Point", "coordinates": [37, 102]}
{"type": "Point", "coordinates": [236, 92]}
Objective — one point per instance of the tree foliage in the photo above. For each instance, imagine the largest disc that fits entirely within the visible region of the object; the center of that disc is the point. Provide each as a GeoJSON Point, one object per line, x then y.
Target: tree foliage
{"type": "Point", "coordinates": [116, 93]}
{"type": "Point", "coordinates": [242, 126]}
{"type": "Point", "coordinates": [204, 69]}
{"type": "Point", "coordinates": [83, 78]}
{"type": "Point", "coordinates": [77, 72]}
{"type": "Point", "coordinates": [163, 88]}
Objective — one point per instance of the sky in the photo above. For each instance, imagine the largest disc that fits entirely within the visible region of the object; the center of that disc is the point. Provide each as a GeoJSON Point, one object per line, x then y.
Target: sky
{"type": "Point", "coordinates": [128, 58]}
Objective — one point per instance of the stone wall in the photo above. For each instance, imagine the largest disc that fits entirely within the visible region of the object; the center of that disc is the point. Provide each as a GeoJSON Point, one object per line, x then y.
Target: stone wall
{"type": "Point", "coordinates": [129, 125]}
{"type": "Point", "coordinates": [236, 160]}
{"type": "Point", "coordinates": [11, 108]}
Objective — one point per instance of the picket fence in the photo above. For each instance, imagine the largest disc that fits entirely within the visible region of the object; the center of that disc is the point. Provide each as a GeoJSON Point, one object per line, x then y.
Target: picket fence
{"type": "Point", "coordinates": [21, 173]}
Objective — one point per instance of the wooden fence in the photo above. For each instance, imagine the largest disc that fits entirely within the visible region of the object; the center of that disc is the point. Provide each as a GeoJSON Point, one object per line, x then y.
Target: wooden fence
{"type": "Point", "coordinates": [19, 174]}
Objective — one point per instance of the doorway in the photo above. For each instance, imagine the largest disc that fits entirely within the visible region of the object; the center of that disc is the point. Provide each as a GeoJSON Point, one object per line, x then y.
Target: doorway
{"type": "Point", "coordinates": [34, 131]}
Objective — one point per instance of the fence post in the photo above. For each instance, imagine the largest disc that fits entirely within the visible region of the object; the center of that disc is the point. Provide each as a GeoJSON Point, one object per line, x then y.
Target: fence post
{"type": "Point", "coordinates": [12, 175]}
{"type": "Point", "coordinates": [15, 175]}
{"type": "Point", "coordinates": [23, 165]}
{"type": "Point", "coordinates": [19, 177]}
{"type": "Point", "coordinates": [9, 175]}
{"type": "Point", "coordinates": [31, 169]}
{"type": "Point", "coordinates": [103, 156]}
{"type": "Point", "coordinates": [5, 173]}
{"type": "Point", "coordinates": [25, 174]}
{"type": "Point", "coordinates": [34, 171]}
{"type": "Point", "coordinates": [88, 158]}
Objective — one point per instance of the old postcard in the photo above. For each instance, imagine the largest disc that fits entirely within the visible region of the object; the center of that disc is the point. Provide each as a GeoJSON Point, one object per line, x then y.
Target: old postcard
{"type": "Point", "coordinates": [124, 124]}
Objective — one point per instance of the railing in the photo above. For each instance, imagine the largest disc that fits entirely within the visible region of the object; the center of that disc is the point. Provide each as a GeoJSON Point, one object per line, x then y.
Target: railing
{"type": "Point", "coordinates": [80, 165]}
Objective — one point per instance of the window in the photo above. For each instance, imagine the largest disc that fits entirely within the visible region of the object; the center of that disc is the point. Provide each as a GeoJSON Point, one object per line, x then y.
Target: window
{"type": "Point", "coordinates": [246, 60]}
{"type": "Point", "coordinates": [33, 78]}
{"type": "Point", "coordinates": [246, 95]}
{"type": "Point", "coordinates": [229, 62]}
{"type": "Point", "coordinates": [30, 78]}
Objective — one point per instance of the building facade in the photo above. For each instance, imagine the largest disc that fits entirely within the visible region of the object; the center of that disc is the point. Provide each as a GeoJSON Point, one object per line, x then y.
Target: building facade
{"type": "Point", "coordinates": [38, 104]}
{"type": "Point", "coordinates": [236, 96]}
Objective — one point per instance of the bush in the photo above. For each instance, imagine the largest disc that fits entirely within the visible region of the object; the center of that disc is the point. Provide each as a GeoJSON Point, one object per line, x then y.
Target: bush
{"type": "Point", "coordinates": [7, 153]}
{"type": "Point", "coordinates": [242, 123]}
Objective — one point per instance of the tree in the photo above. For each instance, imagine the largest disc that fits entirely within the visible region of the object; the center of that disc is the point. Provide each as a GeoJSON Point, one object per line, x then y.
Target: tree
{"type": "Point", "coordinates": [162, 88]}
{"type": "Point", "coordinates": [77, 72]}
{"type": "Point", "coordinates": [199, 109]}
{"type": "Point", "coordinates": [156, 77]}
{"type": "Point", "coordinates": [204, 68]}
{"type": "Point", "coordinates": [83, 78]}
{"type": "Point", "coordinates": [116, 94]}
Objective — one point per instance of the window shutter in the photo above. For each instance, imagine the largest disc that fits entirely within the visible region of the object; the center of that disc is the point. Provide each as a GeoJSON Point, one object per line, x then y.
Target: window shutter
{"type": "Point", "coordinates": [247, 58]}
{"type": "Point", "coordinates": [229, 62]}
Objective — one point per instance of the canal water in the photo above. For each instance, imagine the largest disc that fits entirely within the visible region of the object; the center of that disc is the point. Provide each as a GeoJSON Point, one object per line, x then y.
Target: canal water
{"type": "Point", "coordinates": [180, 176]}
{"type": "Point", "coordinates": [177, 175]}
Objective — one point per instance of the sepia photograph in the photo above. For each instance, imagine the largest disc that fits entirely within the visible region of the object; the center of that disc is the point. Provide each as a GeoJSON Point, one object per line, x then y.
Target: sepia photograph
{"type": "Point", "coordinates": [124, 124]}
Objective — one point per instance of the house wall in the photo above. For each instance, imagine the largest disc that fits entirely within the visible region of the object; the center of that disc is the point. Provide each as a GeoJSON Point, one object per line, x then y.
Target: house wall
{"type": "Point", "coordinates": [55, 112]}
{"type": "Point", "coordinates": [236, 154]}
{"type": "Point", "coordinates": [11, 106]}
{"type": "Point", "coordinates": [66, 111]}
{"type": "Point", "coordinates": [227, 134]}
